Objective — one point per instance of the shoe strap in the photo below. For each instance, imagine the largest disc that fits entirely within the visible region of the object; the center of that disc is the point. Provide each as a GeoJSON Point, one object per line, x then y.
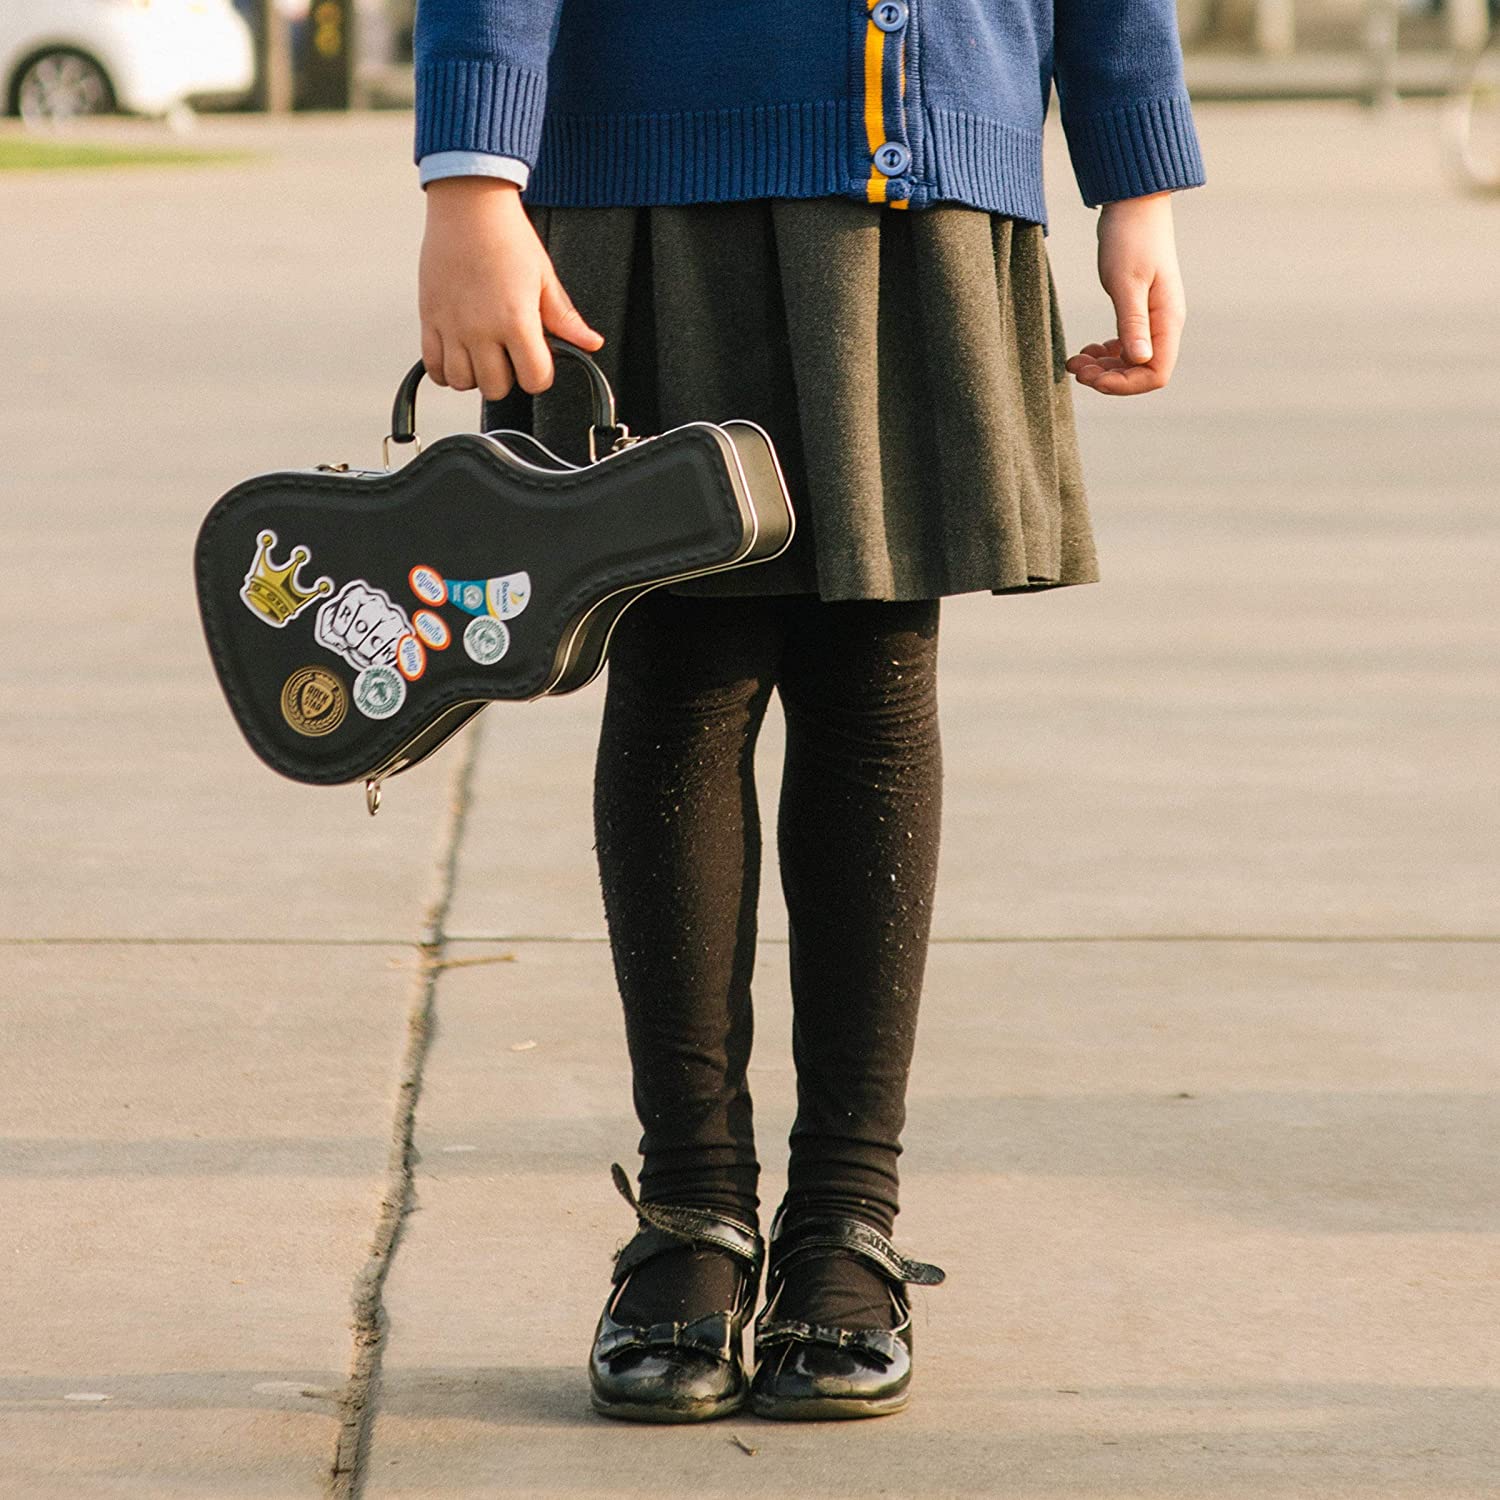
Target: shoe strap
{"type": "Point", "coordinates": [808, 1232]}
{"type": "Point", "coordinates": [669, 1226]}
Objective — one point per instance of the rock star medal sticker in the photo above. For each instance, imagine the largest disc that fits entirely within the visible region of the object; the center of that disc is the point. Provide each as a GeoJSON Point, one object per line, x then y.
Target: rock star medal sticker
{"type": "Point", "coordinates": [313, 701]}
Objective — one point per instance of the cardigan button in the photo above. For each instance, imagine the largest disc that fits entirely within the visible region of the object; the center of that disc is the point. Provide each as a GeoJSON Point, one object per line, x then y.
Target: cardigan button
{"type": "Point", "coordinates": [892, 158]}
{"type": "Point", "coordinates": [889, 15]}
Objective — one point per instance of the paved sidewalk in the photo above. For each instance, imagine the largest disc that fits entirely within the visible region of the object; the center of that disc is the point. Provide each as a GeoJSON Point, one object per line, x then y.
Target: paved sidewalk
{"type": "Point", "coordinates": [1315, 74]}
{"type": "Point", "coordinates": [1204, 1114]}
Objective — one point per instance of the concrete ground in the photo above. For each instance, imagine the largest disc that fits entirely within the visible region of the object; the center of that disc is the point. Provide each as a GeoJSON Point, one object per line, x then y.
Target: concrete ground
{"type": "Point", "coordinates": [1203, 1122]}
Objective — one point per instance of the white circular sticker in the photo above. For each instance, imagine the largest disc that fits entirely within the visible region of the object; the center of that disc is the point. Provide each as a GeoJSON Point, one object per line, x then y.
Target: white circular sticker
{"type": "Point", "coordinates": [427, 584]}
{"type": "Point", "coordinates": [486, 640]}
{"type": "Point", "coordinates": [379, 692]}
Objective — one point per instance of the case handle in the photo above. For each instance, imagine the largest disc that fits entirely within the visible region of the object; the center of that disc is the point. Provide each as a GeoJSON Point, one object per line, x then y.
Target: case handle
{"type": "Point", "coordinates": [404, 411]}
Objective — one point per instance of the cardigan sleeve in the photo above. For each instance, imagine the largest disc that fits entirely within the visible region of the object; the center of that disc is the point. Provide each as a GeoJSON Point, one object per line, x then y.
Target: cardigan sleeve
{"type": "Point", "coordinates": [1122, 98]}
{"type": "Point", "coordinates": [481, 75]}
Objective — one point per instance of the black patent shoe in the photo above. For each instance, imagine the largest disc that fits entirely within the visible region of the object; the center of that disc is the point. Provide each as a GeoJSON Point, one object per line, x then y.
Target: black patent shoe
{"type": "Point", "coordinates": [671, 1371]}
{"type": "Point", "coordinates": [816, 1372]}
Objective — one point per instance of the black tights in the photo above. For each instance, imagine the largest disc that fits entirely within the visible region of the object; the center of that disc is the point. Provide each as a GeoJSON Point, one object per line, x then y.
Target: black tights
{"type": "Point", "coordinates": [679, 846]}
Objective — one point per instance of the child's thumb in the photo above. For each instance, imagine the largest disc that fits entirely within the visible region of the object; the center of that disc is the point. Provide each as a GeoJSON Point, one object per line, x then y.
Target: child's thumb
{"type": "Point", "coordinates": [1133, 321]}
{"type": "Point", "coordinates": [559, 316]}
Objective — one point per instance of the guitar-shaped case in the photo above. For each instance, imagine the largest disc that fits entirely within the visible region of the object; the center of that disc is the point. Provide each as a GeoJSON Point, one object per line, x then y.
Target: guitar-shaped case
{"type": "Point", "coordinates": [357, 618]}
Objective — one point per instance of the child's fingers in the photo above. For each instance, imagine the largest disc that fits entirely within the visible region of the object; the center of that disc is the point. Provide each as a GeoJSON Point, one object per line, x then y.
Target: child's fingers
{"type": "Point", "coordinates": [1107, 366]}
{"type": "Point", "coordinates": [432, 354]}
{"type": "Point", "coordinates": [529, 355]}
{"type": "Point", "coordinates": [457, 368]}
{"type": "Point", "coordinates": [1112, 375]}
{"type": "Point", "coordinates": [1123, 380]}
{"type": "Point", "coordinates": [1103, 355]}
{"type": "Point", "coordinates": [492, 369]}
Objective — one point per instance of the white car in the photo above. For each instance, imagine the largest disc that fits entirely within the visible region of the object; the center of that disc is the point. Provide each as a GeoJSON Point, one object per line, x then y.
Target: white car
{"type": "Point", "coordinates": [61, 58]}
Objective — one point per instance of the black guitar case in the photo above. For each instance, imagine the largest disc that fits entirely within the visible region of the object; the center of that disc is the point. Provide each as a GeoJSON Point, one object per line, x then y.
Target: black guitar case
{"type": "Point", "coordinates": [358, 618]}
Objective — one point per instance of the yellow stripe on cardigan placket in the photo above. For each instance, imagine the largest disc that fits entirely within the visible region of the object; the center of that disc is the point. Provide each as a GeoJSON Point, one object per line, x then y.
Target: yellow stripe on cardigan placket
{"type": "Point", "coordinates": [877, 188]}
{"type": "Point", "coordinates": [875, 105]}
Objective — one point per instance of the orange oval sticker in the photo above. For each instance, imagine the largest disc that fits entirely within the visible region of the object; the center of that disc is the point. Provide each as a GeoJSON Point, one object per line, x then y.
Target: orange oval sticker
{"type": "Point", "coordinates": [432, 629]}
{"type": "Point", "coordinates": [411, 658]}
{"type": "Point", "coordinates": [427, 584]}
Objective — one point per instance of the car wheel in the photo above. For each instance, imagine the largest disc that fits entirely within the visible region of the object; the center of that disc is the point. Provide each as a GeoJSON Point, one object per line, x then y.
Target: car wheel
{"type": "Point", "coordinates": [62, 85]}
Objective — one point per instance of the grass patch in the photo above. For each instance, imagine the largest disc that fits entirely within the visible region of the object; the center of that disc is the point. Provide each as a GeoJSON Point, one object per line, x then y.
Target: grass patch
{"type": "Point", "coordinates": [27, 155]}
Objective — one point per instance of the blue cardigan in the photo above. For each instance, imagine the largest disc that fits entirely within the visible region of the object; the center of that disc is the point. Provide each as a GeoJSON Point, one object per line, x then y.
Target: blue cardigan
{"type": "Point", "coordinates": [903, 102]}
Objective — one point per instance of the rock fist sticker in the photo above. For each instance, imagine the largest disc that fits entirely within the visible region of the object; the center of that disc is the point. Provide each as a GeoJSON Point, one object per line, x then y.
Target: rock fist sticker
{"type": "Point", "coordinates": [363, 625]}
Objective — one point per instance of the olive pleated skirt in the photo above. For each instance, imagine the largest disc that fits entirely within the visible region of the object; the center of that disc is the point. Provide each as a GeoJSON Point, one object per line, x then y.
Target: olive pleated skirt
{"type": "Point", "coordinates": [908, 365]}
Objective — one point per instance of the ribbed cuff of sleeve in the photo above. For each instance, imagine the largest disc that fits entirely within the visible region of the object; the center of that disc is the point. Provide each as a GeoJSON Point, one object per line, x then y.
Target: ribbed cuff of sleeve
{"type": "Point", "coordinates": [471, 164]}
{"type": "Point", "coordinates": [1150, 146]}
{"type": "Point", "coordinates": [473, 104]}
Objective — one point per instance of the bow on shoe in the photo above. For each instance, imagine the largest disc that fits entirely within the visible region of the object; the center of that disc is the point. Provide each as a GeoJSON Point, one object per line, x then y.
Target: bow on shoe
{"type": "Point", "coordinates": [879, 1343]}
{"type": "Point", "coordinates": [713, 1334]}
{"type": "Point", "coordinates": [811, 1233]}
{"type": "Point", "coordinates": [694, 1369]}
{"type": "Point", "coordinates": [809, 1370]}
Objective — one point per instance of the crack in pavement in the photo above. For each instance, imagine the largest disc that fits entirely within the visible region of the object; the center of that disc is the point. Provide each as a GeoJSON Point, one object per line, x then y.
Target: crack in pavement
{"type": "Point", "coordinates": [359, 1401]}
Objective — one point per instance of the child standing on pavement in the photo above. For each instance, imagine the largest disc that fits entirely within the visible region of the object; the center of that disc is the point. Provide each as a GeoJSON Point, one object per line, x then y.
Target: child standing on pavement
{"type": "Point", "coordinates": [828, 218]}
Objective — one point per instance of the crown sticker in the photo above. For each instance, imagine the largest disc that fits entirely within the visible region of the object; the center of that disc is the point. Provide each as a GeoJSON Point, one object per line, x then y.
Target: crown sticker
{"type": "Point", "coordinates": [274, 592]}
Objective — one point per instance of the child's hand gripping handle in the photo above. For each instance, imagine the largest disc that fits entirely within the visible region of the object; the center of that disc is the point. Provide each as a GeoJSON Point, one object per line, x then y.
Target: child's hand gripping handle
{"type": "Point", "coordinates": [602, 427]}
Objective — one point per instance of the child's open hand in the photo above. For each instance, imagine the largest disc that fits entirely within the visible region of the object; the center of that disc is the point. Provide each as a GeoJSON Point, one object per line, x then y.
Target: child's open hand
{"type": "Point", "coordinates": [1138, 268]}
{"type": "Point", "coordinates": [487, 292]}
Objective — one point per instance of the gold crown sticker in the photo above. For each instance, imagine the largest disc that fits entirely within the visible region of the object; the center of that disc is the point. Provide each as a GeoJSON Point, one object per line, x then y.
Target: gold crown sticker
{"type": "Point", "coordinates": [274, 592]}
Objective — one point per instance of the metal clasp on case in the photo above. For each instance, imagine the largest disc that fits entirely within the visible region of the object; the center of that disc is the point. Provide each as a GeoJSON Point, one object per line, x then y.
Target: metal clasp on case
{"type": "Point", "coordinates": [385, 447]}
{"type": "Point", "coordinates": [623, 439]}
